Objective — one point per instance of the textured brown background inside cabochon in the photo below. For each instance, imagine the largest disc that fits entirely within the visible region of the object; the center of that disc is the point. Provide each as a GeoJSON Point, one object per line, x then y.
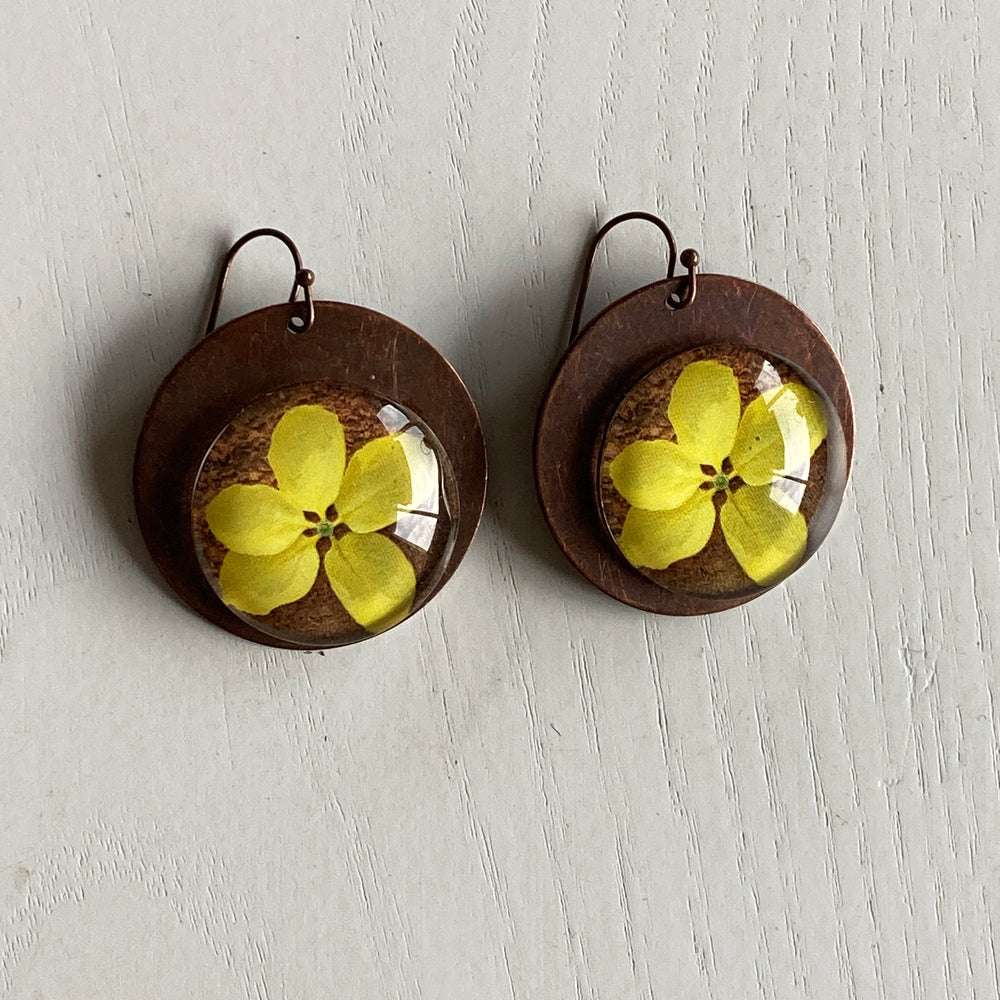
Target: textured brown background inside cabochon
{"type": "Point", "coordinates": [239, 455]}
{"type": "Point", "coordinates": [642, 415]}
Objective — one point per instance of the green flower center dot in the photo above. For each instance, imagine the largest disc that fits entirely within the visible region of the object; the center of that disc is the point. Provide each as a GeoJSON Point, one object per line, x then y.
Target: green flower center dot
{"type": "Point", "coordinates": [721, 482]}
{"type": "Point", "coordinates": [324, 529]}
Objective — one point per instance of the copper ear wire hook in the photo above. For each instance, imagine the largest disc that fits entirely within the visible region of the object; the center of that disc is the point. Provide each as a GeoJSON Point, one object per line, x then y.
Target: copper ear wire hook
{"type": "Point", "coordinates": [303, 279]}
{"type": "Point", "coordinates": [689, 259]}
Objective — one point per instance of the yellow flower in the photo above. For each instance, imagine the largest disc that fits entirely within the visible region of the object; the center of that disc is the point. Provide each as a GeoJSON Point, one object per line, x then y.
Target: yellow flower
{"type": "Point", "coordinates": [759, 460]}
{"type": "Point", "coordinates": [272, 534]}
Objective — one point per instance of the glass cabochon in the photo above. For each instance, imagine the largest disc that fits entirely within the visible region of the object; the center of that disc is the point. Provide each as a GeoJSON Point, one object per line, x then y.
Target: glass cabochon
{"type": "Point", "coordinates": [323, 514]}
{"type": "Point", "coordinates": [720, 471]}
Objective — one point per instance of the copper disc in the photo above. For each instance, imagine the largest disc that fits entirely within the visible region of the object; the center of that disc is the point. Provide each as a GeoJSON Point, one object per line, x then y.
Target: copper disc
{"type": "Point", "coordinates": [627, 343]}
{"type": "Point", "coordinates": [351, 358]}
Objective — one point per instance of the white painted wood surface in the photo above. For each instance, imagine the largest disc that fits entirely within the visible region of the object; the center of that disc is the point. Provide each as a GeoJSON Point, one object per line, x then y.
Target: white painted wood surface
{"type": "Point", "coordinates": [528, 790]}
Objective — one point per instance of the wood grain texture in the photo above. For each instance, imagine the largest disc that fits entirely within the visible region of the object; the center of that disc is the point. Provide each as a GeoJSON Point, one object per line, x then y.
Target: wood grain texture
{"type": "Point", "coordinates": [527, 790]}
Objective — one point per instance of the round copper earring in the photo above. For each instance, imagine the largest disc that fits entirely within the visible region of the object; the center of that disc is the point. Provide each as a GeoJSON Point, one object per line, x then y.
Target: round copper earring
{"type": "Point", "coordinates": [310, 474]}
{"type": "Point", "coordinates": [694, 444]}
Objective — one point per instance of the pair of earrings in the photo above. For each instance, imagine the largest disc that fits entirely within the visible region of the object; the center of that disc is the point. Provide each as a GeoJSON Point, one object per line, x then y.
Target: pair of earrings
{"type": "Point", "coordinates": [312, 473]}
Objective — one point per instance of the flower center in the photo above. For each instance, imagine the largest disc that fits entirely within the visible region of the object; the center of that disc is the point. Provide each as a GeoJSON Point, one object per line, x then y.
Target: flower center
{"type": "Point", "coordinates": [721, 480]}
{"type": "Point", "coordinates": [327, 525]}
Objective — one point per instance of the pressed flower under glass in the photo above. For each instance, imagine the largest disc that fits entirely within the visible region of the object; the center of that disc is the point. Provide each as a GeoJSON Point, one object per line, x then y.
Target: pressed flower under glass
{"type": "Point", "coordinates": [714, 471]}
{"type": "Point", "coordinates": [321, 512]}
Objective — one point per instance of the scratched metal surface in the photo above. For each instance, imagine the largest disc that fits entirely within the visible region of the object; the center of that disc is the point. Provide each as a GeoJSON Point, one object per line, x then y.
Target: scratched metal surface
{"type": "Point", "coordinates": [528, 790]}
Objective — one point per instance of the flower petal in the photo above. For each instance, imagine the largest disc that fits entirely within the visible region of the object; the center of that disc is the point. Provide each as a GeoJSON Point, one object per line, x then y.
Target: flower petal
{"type": "Point", "coordinates": [308, 455]}
{"type": "Point", "coordinates": [372, 579]}
{"type": "Point", "coordinates": [657, 538]}
{"type": "Point", "coordinates": [256, 520]}
{"type": "Point", "coordinates": [778, 434]}
{"type": "Point", "coordinates": [767, 539]}
{"type": "Point", "coordinates": [259, 584]}
{"type": "Point", "coordinates": [704, 410]}
{"type": "Point", "coordinates": [376, 485]}
{"type": "Point", "coordinates": [425, 475]}
{"type": "Point", "coordinates": [655, 475]}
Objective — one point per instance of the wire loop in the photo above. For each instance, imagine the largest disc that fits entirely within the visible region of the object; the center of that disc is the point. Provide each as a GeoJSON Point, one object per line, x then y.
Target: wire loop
{"type": "Point", "coordinates": [689, 260]}
{"type": "Point", "coordinates": [304, 279]}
